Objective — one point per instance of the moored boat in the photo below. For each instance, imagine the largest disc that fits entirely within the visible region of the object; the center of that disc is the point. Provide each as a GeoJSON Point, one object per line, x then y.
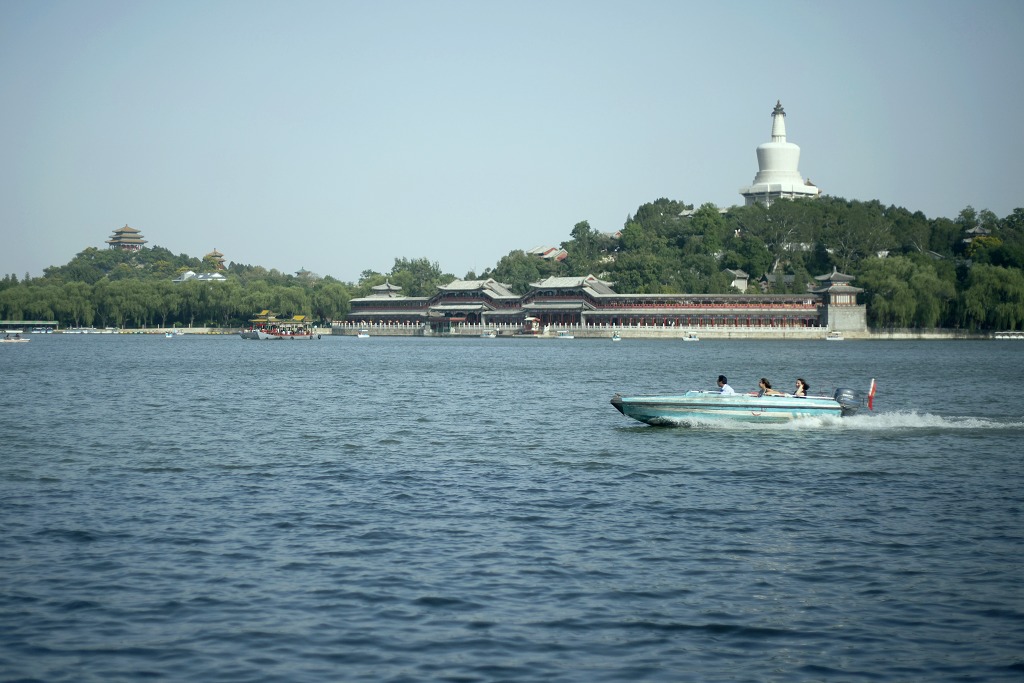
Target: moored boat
{"type": "Point", "coordinates": [564, 334]}
{"type": "Point", "coordinates": [834, 336]}
{"type": "Point", "coordinates": [699, 407]}
{"type": "Point", "coordinates": [489, 334]}
{"type": "Point", "coordinates": [268, 327]}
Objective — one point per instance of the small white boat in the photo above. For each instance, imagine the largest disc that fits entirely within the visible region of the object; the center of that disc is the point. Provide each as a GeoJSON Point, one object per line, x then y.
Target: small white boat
{"type": "Point", "coordinates": [363, 334]}
{"type": "Point", "coordinates": [488, 334]}
{"type": "Point", "coordinates": [169, 335]}
{"type": "Point", "coordinates": [563, 334]}
{"type": "Point", "coordinates": [834, 336]}
{"type": "Point", "coordinates": [14, 340]}
{"type": "Point", "coordinates": [691, 336]}
{"type": "Point", "coordinates": [616, 337]}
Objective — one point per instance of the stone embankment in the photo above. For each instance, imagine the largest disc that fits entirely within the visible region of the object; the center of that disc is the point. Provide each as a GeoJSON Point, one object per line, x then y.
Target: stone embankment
{"type": "Point", "coordinates": [645, 332]}
{"type": "Point", "coordinates": [660, 332]}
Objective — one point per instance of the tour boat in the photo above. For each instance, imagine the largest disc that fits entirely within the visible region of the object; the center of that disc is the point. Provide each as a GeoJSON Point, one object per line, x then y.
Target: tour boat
{"type": "Point", "coordinates": [268, 327]}
{"type": "Point", "coordinates": [284, 334]}
{"type": "Point", "coordinates": [699, 407]}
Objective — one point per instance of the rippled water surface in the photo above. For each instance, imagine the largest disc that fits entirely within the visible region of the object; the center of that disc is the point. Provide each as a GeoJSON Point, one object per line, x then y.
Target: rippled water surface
{"type": "Point", "coordinates": [384, 509]}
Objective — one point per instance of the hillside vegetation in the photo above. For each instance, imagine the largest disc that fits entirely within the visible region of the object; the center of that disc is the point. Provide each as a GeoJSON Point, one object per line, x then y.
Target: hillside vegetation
{"type": "Point", "coordinates": [916, 272]}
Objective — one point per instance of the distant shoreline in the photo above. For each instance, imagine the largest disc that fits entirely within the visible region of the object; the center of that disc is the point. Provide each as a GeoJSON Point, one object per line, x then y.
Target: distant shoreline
{"type": "Point", "coordinates": [666, 333]}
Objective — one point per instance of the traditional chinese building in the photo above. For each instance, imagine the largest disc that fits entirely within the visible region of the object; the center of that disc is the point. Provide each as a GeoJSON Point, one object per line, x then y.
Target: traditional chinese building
{"type": "Point", "coordinates": [386, 305]}
{"type": "Point", "coordinates": [216, 258]}
{"type": "Point", "coordinates": [778, 161]}
{"type": "Point", "coordinates": [199, 277]}
{"type": "Point", "coordinates": [591, 302]}
{"type": "Point", "coordinates": [840, 310]}
{"type": "Point", "coordinates": [126, 239]}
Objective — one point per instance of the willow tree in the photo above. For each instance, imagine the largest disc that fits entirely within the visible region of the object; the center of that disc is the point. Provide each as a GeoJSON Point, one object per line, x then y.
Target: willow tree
{"type": "Point", "coordinates": [993, 298]}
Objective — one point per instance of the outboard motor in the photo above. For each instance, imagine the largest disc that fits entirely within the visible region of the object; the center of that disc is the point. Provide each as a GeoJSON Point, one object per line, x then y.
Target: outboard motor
{"type": "Point", "coordinates": [849, 399]}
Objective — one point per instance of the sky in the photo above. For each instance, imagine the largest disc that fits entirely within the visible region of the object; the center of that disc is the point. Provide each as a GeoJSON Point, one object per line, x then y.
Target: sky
{"type": "Point", "coordinates": [339, 136]}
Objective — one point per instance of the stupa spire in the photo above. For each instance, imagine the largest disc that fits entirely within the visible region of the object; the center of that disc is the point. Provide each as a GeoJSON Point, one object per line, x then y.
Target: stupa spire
{"type": "Point", "coordinates": [778, 123]}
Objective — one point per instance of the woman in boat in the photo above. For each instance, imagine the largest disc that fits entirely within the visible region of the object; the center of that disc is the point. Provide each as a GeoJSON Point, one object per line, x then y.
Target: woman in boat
{"type": "Point", "coordinates": [801, 387]}
{"type": "Point", "coordinates": [766, 388]}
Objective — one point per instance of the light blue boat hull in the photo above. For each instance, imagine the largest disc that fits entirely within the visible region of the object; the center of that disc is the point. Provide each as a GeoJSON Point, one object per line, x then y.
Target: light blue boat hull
{"type": "Point", "coordinates": [711, 406]}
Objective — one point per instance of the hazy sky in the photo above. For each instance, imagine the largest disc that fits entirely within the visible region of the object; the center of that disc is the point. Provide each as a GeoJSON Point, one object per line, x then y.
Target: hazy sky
{"type": "Point", "coordinates": [336, 136]}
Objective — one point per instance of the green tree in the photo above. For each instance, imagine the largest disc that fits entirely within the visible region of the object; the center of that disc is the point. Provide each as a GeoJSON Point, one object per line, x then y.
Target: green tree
{"type": "Point", "coordinates": [76, 305]}
{"type": "Point", "coordinates": [167, 300]}
{"type": "Point", "coordinates": [993, 298]}
{"type": "Point", "coordinates": [708, 226]}
{"type": "Point", "coordinates": [289, 301]}
{"type": "Point", "coordinates": [418, 277]}
{"type": "Point", "coordinates": [190, 300]}
{"type": "Point", "coordinates": [330, 301]}
{"type": "Point", "coordinates": [904, 292]}
{"type": "Point", "coordinates": [517, 269]}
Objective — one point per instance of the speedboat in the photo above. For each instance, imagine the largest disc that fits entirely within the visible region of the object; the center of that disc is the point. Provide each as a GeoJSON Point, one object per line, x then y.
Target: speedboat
{"type": "Point", "coordinates": [699, 407]}
{"type": "Point", "coordinates": [616, 337]}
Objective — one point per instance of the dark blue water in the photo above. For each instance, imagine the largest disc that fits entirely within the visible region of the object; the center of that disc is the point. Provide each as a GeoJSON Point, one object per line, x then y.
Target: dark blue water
{"type": "Point", "coordinates": [212, 509]}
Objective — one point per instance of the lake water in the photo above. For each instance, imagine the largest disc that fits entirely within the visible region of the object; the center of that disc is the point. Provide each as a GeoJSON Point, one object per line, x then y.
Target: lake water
{"type": "Point", "coordinates": [395, 509]}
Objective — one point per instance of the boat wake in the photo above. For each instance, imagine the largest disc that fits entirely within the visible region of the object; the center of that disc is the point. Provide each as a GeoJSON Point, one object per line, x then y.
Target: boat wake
{"type": "Point", "coordinates": [871, 422]}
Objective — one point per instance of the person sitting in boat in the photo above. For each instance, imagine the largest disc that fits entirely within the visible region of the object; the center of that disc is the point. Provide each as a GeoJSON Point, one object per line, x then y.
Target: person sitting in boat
{"type": "Point", "coordinates": [766, 388]}
{"type": "Point", "coordinates": [723, 385]}
{"type": "Point", "coordinates": [801, 387]}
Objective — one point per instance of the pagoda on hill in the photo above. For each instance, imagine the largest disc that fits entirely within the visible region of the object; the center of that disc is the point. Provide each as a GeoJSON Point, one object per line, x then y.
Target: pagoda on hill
{"type": "Point", "coordinates": [216, 258]}
{"type": "Point", "coordinates": [126, 239]}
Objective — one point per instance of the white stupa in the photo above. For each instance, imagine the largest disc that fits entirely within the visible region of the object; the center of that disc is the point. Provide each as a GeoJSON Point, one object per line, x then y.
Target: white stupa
{"type": "Point", "coordinates": [777, 162]}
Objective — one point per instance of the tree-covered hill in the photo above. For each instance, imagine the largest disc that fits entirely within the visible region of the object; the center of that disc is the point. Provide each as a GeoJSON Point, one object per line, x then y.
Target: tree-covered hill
{"type": "Point", "coordinates": [916, 272]}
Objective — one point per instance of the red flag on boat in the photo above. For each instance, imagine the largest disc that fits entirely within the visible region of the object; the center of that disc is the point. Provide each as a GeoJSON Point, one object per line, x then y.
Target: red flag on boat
{"type": "Point", "coordinates": [871, 395]}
